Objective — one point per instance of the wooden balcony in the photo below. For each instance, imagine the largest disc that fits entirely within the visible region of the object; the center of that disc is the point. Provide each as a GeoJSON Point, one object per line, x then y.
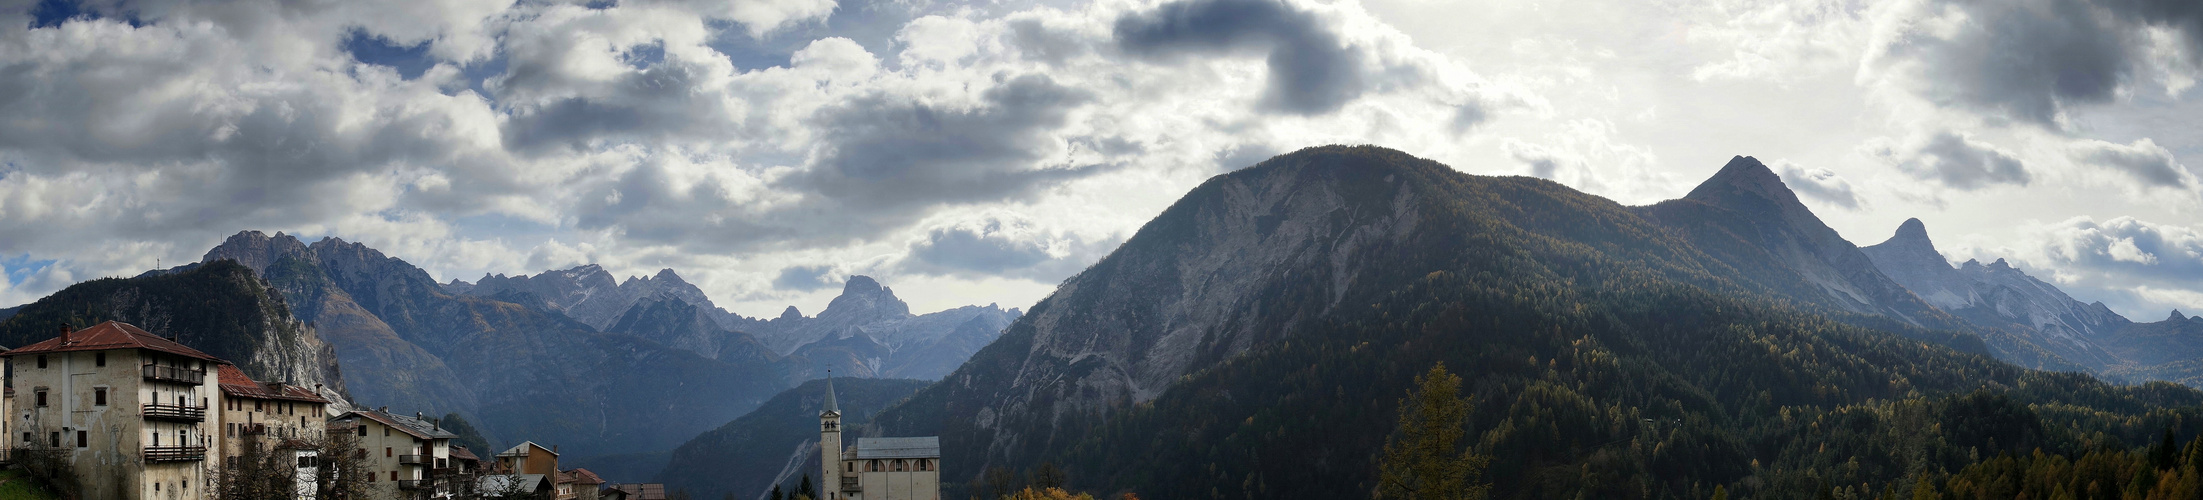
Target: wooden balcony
{"type": "Point", "coordinates": [156, 454]}
{"type": "Point", "coordinates": [412, 459]}
{"type": "Point", "coordinates": [175, 374]}
{"type": "Point", "coordinates": [412, 484]}
{"type": "Point", "coordinates": [178, 413]}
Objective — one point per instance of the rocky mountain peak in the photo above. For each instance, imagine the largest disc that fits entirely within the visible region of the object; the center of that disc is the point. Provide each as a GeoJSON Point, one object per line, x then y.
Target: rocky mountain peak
{"type": "Point", "coordinates": [1743, 174]}
{"type": "Point", "coordinates": [791, 313]}
{"type": "Point", "coordinates": [257, 250]}
{"type": "Point", "coordinates": [863, 298]}
{"type": "Point", "coordinates": [2176, 316]}
{"type": "Point", "coordinates": [667, 275]}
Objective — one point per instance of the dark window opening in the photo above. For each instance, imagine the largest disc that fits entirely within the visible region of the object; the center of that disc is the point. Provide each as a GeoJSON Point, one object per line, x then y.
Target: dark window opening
{"type": "Point", "coordinates": [42, 361]}
{"type": "Point", "coordinates": [41, 398]}
{"type": "Point", "coordinates": [81, 440]}
{"type": "Point", "coordinates": [99, 396]}
{"type": "Point", "coordinates": [99, 359]}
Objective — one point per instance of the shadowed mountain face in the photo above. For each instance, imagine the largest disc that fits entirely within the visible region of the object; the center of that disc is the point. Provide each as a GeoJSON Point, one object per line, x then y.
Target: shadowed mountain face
{"type": "Point", "coordinates": [221, 308]}
{"type": "Point", "coordinates": [518, 371]}
{"type": "Point", "coordinates": [1746, 218]}
{"type": "Point", "coordinates": [1611, 352]}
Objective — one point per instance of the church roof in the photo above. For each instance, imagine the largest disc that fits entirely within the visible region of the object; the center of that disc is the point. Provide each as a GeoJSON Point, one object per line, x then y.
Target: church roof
{"type": "Point", "coordinates": [831, 406]}
{"type": "Point", "coordinates": [902, 447]}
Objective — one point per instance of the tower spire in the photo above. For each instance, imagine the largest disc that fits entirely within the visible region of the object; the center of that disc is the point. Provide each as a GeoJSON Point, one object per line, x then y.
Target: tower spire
{"type": "Point", "coordinates": [831, 406]}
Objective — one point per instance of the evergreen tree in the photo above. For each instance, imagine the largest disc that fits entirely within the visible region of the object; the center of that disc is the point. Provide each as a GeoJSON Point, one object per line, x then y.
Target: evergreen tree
{"type": "Point", "coordinates": [805, 490]}
{"type": "Point", "coordinates": [776, 493]}
{"type": "Point", "coordinates": [1424, 461]}
{"type": "Point", "coordinates": [1720, 493]}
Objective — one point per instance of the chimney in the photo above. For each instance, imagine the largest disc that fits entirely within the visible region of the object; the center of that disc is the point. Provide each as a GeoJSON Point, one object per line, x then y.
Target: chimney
{"type": "Point", "coordinates": [554, 448]}
{"type": "Point", "coordinates": [65, 333]}
{"type": "Point", "coordinates": [385, 409]}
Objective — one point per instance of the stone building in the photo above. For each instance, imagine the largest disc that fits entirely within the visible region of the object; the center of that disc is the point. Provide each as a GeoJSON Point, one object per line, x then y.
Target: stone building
{"type": "Point", "coordinates": [905, 468]}
{"type": "Point", "coordinates": [126, 408]}
{"type": "Point", "coordinates": [405, 454]}
{"type": "Point", "coordinates": [275, 418]}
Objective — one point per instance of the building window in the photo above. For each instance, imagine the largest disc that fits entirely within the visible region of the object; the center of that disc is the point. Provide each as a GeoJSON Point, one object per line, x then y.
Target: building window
{"type": "Point", "coordinates": [305, 461]}
{"type": "Point", "coordinates": [81, 441]}
{"type": "Point", "coordinates": [363, 431]}
{"type": "Point", "coordinates": [386, 454]}
{"type": "Point", "coordinates": [898, 465]}
{"type": "Point", "coordinates": [42, 361]}
{"type": "Point", "coordinates": [256, 405]}
{"type": "Point", "coordinates": [99, 396]}
{"type": "Point", "coordinates": [852, 466]}
{"type": "Point", "coordinates": [393, 475]}
{"type": "Point", "coordinates": [26, 439]}
{"type": "Point", "coordinates": [99, 359]}
{"type": "Point", "coordinates": [874, 467]}
{"type": "Point", "coordinates": [54, 440]}
{"type": "Point", "coordinates": [41, 398]}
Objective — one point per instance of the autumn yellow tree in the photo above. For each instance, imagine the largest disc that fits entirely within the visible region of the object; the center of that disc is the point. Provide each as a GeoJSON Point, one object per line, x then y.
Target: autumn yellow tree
{"type": "Point", "coordinates": [1424, 460]}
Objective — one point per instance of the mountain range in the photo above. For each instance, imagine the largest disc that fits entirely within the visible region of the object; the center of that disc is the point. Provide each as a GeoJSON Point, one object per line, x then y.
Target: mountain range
{"type": "Point", "coordinates": [1252, 340]}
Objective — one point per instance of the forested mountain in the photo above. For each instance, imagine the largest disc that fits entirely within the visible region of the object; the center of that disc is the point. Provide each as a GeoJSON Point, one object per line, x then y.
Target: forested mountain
{"type": "Point", "coordinates": [516, 371]}
{"type": "Point", "coordinates": [220, 308]}
{"type": "Point", "coordinates": [778, 442]}
{"type": "Point", "coordinates": [1255, 339]}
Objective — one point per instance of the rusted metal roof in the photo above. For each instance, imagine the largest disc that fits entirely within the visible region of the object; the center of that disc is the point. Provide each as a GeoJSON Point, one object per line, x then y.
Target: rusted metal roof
{"type": "Point", "coordinates": [111, 335]}
{"type": "Point", "coordinates": [236, 384]}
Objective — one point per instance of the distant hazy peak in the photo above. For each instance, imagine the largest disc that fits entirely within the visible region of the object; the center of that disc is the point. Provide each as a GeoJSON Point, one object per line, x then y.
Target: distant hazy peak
{"type": "Point", "coordinates": [1746, 174]}
{"type": "Point", "coordinates": [791, 313]}
{"type": "Point", "coordinates": [861, 284]}
{"type": "Point", "coordinates": [1911, 241]}
{"type": "Point", "coordinates": [2176, 316]}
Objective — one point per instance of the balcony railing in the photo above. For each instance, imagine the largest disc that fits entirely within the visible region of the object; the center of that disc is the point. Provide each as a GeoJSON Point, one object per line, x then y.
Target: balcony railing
{"type": "Point", "coordinates": [175, 453]}
{"type": "Point", "coordinates": [850, 484]}
{"type": "Point", "coordinates": [412, 484]}
{"type": "Point", "coordinates": [175, 374]}
{"type": "Point", "coordinates": [175, 412]}
{"type": "Point", "coordinates": [410, 459]}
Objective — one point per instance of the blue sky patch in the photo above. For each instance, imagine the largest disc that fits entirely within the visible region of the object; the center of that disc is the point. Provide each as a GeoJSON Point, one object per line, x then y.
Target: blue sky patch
{"type": "Point", "coordinates": [372, 49]}
{"type": "Point", "coordinates": [21, 267]}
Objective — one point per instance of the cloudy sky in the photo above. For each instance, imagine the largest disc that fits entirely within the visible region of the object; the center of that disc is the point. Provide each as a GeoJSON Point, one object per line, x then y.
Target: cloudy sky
{"type": "Point", "coordinates": [972, 153]}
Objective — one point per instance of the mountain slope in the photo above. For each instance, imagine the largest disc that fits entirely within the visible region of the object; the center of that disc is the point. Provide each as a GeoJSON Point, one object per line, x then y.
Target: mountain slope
{"type": "Point", "coordinates": [1252, 340]}
{"type": "Point", "coordinates": [776, 443]}
{"type": "Point", "coordinates": [220, 308]}
{"type": "Point", "coordinates": [385, 367]}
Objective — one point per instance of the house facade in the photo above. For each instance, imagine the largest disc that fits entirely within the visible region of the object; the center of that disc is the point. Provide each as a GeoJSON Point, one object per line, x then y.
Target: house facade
{"type": "Point", "coordinates": [275, 418]}
{"type": "Point", "coordinates": [405, 454]}
{"type": "Point", "coordinates": [127, 409]}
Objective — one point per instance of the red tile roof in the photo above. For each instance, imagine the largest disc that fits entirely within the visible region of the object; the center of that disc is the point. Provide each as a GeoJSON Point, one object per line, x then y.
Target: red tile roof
{"type": "Point", "coordinates": [236, 383]}
{"type": "Point", "coordinates": [580, 476]}
{"type": "Point", "coordinates": [112, 335]}
{"type": "Point", "coordinates": [461, 453]}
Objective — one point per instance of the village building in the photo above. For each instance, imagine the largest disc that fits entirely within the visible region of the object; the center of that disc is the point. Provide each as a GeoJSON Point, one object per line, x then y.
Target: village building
{"type": "Point", "coordinates": [578, 484]}
{"type": "Point", "coordinates": [406, 455]}
{"type": "Point", "coordinates": [902, 468]}
{"type": "Point", "coordinates": [126, 409]}
{"type": "Point", "coordinates": [633, 491]}
{"type": "Point", "coordinates": [272, 418]}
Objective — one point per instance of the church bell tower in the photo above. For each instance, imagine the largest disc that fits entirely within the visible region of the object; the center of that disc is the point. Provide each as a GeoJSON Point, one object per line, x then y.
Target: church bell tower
{"type": "Point", "coordinates": [829, 443]}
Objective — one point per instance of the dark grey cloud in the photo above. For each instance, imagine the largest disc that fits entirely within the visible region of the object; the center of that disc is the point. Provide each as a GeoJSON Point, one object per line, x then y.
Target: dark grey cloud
{"type": "Point", "coordinates": [1003, 248]}
{"type": "Point", "coordinates": [1819, 184]}
{"type": "Point", "coordinates": [1956, 161]}
{"type": "Point", "coordinates": [1312, 71]}
{"type": "Point", "coordinates": [893, 154]}
{"type": "Point", "coordinates": [804, 278]}
{"type": "Point", "coordinates": [2031, 60]}
{"type": "Point", "coordinates": [660, 102]}
{"type": "Point", "coordinates": [2144, 161]}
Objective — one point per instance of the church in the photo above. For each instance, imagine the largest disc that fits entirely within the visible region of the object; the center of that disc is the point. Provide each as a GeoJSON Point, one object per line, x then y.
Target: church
{"type": "Point", "coordinates": [904, 468]}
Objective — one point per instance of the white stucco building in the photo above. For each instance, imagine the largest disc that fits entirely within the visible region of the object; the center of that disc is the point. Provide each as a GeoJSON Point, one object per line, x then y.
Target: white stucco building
{"type": "Point", "coordinates": [904, 468]}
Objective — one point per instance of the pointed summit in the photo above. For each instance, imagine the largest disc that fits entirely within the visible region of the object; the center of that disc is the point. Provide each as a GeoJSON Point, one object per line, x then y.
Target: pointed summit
{"type": "Point", "coordinates": [1743, 175]}
{"type": "Point", "coordinates": [2176, 316]}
